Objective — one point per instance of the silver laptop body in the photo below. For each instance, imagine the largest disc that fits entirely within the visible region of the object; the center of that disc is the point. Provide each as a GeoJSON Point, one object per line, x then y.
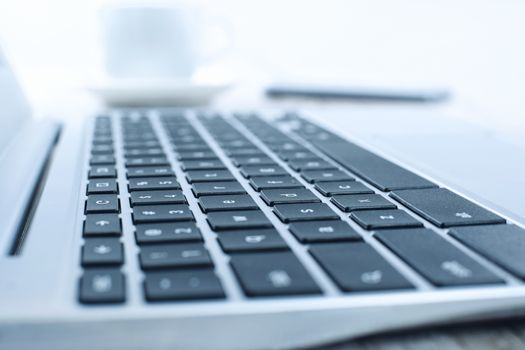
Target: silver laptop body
{"type": "Point", "coordinates": [43, 181]}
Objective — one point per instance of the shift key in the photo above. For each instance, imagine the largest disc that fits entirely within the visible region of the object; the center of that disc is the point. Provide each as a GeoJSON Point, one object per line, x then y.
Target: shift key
{"type": "Point", "coordinates": [435, 258]}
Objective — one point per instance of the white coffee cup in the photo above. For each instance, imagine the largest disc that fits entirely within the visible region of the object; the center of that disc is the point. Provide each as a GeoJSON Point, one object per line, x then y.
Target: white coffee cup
{"type": "Point", "coordinates": [157, 42]}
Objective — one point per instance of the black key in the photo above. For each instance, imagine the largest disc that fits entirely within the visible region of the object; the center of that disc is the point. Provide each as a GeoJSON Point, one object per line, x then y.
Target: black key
{"type": "Point", "coordinates": [323, 231]}
{"type": "Point", "coordinates": [287, 147]}
{"type": "Point", "coordinates": [182, 285]}
{"type": "Point", "coordinates": [502, 244]}
{"type": "Point", "coordinates": [276, 273]}
{"type": "Point", "coordinates": [288, 195]}
{"type": "Point", "coordinates": [191, 147]}
{"type": "Point", "coordinates": [341, 187]}
{"type": "Point", "coordinates": [217, 188]}
{"type": "Point", "coordinates": [162, 213]}
{"type": "Point", "coordinates": [251, 240]}
{"type": "Point", "coordinates": [149, 172]}
{"type": "Point", "coordinates": [304, 212]}
{"type": "Point", "coordinates": [102, 171]}
{"type": "Point", "coordinates": [102, 225]}
{"type": "Point", "coordinates": [376, 170]}
{"type": "Point", "coordinates": [297, 155]}
{"type": "Point", "coordinates": [378, 219]}
{"type": "Point", "coordinates": [102, 203]}
{"type": "Point", "coordinates": [157, 197]}
{"type": "Point", "coordinates": [102, 159]}
{"type": "Point", "coordinates": [102, 149]}
{"type": "Point", "coordinates": [229, 202]}
{"type": "Point", "coordinates": [274, 182]}
{"type": "Point", "coordinates": [167, 232]}
{"type": "Point", "coordinates": [357, 267]}
{"type": "Point", "coordinates": [353, 202]}
{"type": "Point", "coordinates": [102, 286]}
{"type": "Point", "coordinates": [143, 152]}
{"type": "Point", "coordinates": [325, 175]}
{"type": "Point", "coordinates": [153, 183]}
{"type": "Point", "coordinates": [146, 161]}
{"type": "Point", "coordinates": [142, 144]}
{"type": "Point", "coordinates": [209, 176]}
{"type": "Point", "coordinates": [435, 258]}
{"type": "Point", "coordinates": [256, 170]}
{"type": "Point", "coordinates": [445, 208]}
{"type": "Point", "coordinates": [253, 160]}
{"type": "Point", "coordinates": [311, 164]}
{"type": "Point", "coordinates": [243, 219]}
{"type": "Point", "coordinates": [174, 255]}
{"type": "Point", "coordinates": [102, 140]}
{"type": "Point", "coordinates": [102, 251]}
{"type": "Point", "coordinates": [244, 152]}
{"type": "Point", "coordinates": [210, 164]}
{"type": "Point", "coordinates": [196, 155]}
{"type": "Point", "coordinates": [102, 186]}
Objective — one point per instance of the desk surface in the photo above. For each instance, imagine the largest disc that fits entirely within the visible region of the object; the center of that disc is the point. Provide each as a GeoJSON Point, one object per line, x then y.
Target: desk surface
{"type": "Point", "coordinates": [491, 336]}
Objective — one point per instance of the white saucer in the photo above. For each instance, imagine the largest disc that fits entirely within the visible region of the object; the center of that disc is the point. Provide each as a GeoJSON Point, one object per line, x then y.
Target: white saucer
{"type": "Point", "coordinates": [131, 92]}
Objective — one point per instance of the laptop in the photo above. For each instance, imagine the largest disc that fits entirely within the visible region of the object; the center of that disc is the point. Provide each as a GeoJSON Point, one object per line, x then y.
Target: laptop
{"type": "Point", "coordinates": [203, 229]}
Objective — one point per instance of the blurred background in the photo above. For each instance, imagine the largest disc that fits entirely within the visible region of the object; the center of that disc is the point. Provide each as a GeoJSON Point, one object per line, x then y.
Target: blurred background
{"type": "Point", "coordinates": [475, 48]}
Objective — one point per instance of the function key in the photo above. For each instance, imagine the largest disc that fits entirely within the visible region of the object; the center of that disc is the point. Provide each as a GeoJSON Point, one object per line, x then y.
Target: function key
{"type": "Point", "coordinates": [275, 273]}
{"type": "Point", "coordinates": [325, 175]}
{"type": "Point", "coordinates": [304, 212]}
{"type": "Point", "coordinates": [445, 208]}
{"type": "Point", "coordinates": [182, 285]}
{"type": "Point", "coordinates": [274, 182]}
{"type": "Point", "coordinates": [251, 240]}
{"type": "Point", "coordinates": [242, 219]}
{"type": "Point", "coordinates": [174, 255]}
{"type": "Point", "coordinates": [379, 219]}
{"type": "Point", "coordinates": [357, 267]}
{"type": "Point", "coordinates": [149, 172]}
{"type": "Point", "coordinates": [162, 213]}
{"type": "Point", "coordinates": [288, 195]}
{"type": "Point", "coordinates": [102, 186]}
{"type": "Point", "coordinates": [102, 225]}
{"type": "Point", "coordinates": [167, 232]}
{"type": "Point", "coordinates": [102, 171]}
{"type": "Point", "coordinates": [102, 286]}
{"type": "Point", "coordinates": [157, 197]}
{"type": "Point", "coordinates": [341, 187]}
{"type": "Point", "coordinates": [323, 231]}
{"type": "Point", "coordinates": [435, 258]}
{"type": "Point", "coordinates": [153, 183]}
{"type": "Point", "coordinates": [361, 202]}
{"type": "Point", "coordinates": [217, 188]}
{"type": "Point", "coordinates": [102, 251]}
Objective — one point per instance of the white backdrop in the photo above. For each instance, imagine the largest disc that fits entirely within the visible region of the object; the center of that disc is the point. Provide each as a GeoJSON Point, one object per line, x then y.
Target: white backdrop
{"type": "Point", "coordinates": [475, 47]}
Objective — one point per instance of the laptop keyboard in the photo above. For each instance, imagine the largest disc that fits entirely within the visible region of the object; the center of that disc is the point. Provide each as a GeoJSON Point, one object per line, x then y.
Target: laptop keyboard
{"type": "Point", "coordinates": [352, 212]}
